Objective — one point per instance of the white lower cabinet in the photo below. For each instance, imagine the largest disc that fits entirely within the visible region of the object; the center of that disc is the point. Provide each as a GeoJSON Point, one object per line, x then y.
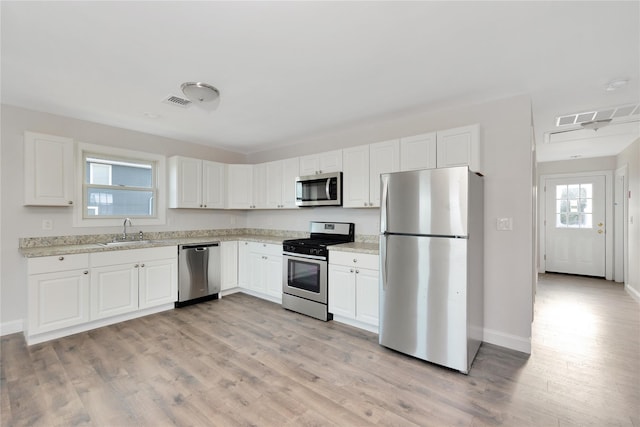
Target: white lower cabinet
{"type": "Point", "coordinates": [264, 269]}
{"type": "Point", "coordinates": [58, 292]}
{"type": "Point", "coordinates": [353, 289]}
{"type": "Point", "coordinates": [74, 293]}
{"type": "Point", "coordinates": [229, 264]}
{"type": "Point", "coordinates": [114, 290]}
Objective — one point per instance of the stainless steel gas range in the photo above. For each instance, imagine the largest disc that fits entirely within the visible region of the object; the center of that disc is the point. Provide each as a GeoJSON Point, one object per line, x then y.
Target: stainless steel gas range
{"type": "Point", "coordinates": [305, 284]}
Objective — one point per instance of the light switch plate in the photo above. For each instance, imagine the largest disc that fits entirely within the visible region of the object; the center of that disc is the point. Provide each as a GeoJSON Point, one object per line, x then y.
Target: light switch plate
{"type": "Point", "coordinates": [504, 224]}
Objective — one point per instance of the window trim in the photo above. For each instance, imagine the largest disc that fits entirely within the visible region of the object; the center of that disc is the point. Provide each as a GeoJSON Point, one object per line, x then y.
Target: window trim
{"type": "Point", "coordinates": [101, 150]}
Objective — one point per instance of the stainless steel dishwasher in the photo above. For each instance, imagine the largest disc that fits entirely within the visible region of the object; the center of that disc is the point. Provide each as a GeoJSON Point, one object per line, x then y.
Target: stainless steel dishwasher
{"type": "Point", "coordinates": [198, 273]}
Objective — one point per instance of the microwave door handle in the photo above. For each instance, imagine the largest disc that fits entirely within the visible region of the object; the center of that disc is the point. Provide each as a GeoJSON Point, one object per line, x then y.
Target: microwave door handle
{"type": "Point", "coordinates": [328, 188]}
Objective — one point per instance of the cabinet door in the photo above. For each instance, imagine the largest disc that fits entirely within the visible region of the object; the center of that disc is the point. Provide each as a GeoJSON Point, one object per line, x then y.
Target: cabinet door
{"type": "Point", "coordinates": [273, 275]}
{"type": "Point", "coordinates": [259, 186]}
{"type": "Point", "coordinates": [384, 157]}
{"type": "Point", "coordinates": [114, 290]}
{"type": "Point", "coordinates": [229, 261]}
{"type": "Point", "coordinates": [367, 296]}
{"type": "Point", "coordinates": [257, 271]}
{"type": "Point", "coordinates": [273, 172]}
{"type": "Point", "coordinates": [330, 161]}
{"type": "Point", "coordinates": [418, 152]}
{"type": "Point", "coordinates": [213, 185]}
{"type": "Point", "coordinates": [57, 300]}
{"type": "Point", "coordinates": [244, 264]}
{"type": "Point", "coordinates": [459, 147]}
{"type": "Point", "coordinates": [290, 171]}
{"type": "Point", "coordinates": [158, 282]}
{"type": "Point", "coordinates": [342, 292]}
{"type": "Point", "coordinates": [239, 186]}
{"type": "Point", "coordinates": [355, 184]}
{"type": "Point", "coordinates": [309, 165]}
{"type": "Point", "coordinates": [185, 188]}
{"type": "Point", "coordinates": [48, 170]}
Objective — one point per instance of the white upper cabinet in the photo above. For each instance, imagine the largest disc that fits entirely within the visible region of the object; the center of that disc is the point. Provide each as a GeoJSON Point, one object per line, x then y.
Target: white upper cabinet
{"type": "Point", "coordinates": [362, 168]}
{"type": "Point", "coordinates": [290, 171]}
{"type": "Point", "coordinates": [355, 183]}
{"type": "Point", "coordinates": [451, 147]}
{"type": "Point", "coordinates": [239, 186]}
{"type": "Point", "coordinates": [49, 170]}
{"type": "Point", "coordinates": [195, 183]}
{"type": "Point", "coordinates": [330, 161]}
{"type": "Point", "coordinates": [418, 152]}
{"type": "Point", "coordinates": [273, 183]}
{"type": "Point", "coordinates": [213, 184]}
{"type": "Point", "coordinates": [460, 147]}
{"type": "Point", "coordinates": [276, 184]}
{"type": "Point", "coordinates": [384, 157]}
{"type": "Point", "coordinates": [259, 186]}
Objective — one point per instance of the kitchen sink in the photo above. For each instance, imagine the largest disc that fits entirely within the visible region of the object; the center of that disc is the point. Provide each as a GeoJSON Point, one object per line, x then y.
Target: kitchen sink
{"type": "Point", "coordinates": [128, 243]}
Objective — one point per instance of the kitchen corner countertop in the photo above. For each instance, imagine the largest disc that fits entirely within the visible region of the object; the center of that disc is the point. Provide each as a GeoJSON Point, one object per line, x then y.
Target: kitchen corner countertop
{"type": "Point", "coordinates": [361, 247]}
{"type": "Point", "coordinates": [42, 251]}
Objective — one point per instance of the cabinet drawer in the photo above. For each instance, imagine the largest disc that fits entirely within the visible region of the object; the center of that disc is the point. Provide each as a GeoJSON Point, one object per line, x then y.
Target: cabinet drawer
{"type": "Point", "coordinates": [354, 259]}
{"type": "Point", "coordinates": [101, 259]}
{"type": "Point", "coordinates": [51, 264]}
{"type": "Point", "coordinates": [265, 248]}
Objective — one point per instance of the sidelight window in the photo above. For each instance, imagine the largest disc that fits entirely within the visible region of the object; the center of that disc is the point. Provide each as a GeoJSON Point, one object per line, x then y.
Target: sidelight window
{"type": "Point", "coordinates": [574, 206]}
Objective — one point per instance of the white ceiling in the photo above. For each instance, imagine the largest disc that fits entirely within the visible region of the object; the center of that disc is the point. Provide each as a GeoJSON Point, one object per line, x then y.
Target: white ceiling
{"type": "Point", "coordinates": [288, 70]}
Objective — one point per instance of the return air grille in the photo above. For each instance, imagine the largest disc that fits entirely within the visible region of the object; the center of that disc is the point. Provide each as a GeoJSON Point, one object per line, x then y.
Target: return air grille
{"type": "Point", "coordinates": [177, 101]}
{"type": "Point", "coordinates": [603, 114]}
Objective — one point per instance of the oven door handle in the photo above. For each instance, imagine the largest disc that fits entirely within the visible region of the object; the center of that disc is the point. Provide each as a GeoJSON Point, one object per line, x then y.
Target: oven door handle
{"type": "Point", "coordinates": [294, 255]}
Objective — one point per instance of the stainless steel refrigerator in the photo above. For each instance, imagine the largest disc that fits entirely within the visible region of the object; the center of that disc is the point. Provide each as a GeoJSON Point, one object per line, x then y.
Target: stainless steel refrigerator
{"type": "Point", "coordinates": [431, 265]}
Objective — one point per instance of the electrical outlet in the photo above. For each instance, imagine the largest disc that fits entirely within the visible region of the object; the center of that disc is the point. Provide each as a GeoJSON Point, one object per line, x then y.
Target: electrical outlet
{"type": "Point", "coordinates": [504, 224]}
{"type": "Point", "coordinates": [47, 224]}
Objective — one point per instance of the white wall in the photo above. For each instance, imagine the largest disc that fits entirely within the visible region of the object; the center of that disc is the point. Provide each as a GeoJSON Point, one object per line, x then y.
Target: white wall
{"type": "Point", "coordinates": [21, 221]}
{"type": "Point", "coordinates": [505, 131]}
{"type": "Point", "coordinates": [509, 260]}
{"type": "Point", "coordinates": [631, 158]}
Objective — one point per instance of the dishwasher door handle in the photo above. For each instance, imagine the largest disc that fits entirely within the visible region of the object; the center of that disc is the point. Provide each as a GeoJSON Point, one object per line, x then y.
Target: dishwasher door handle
{"type": "Point", "coordinates": [201, 249]}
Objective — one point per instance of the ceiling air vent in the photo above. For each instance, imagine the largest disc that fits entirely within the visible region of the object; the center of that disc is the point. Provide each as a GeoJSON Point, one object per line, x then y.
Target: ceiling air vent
{"type": "Point", "coordinates": [603, 114]}
{"type": "Point", "coordinates": [177, 101]}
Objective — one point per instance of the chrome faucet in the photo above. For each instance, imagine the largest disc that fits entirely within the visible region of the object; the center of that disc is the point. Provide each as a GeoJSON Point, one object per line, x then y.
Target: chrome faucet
{"type": "Point", "coordinates": [124, 228]}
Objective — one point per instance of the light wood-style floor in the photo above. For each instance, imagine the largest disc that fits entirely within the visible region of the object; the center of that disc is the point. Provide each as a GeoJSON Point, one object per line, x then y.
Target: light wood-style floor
{"type": "Point", "coordinates": [244, 361]}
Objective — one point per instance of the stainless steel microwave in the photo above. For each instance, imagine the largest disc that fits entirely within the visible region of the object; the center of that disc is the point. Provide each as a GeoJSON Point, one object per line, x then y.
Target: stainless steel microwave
{"type": "Point", "coordinates": [319, 190]}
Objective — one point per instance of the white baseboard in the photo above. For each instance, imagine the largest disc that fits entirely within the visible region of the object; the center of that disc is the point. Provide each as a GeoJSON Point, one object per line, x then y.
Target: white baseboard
{"type": "Point", "coordinates": [11, 327]}
{"type": "Point", "coordinates": [631, 291]}
{"type": "Point", "coordinates": [512, 342]}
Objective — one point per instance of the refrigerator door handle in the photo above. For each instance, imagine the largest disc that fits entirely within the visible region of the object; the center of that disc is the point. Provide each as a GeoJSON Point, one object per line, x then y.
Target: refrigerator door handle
{"type": "Point", "coordinates": [383, 259]}
{"type": "Point", "coordinates": [384, 204]}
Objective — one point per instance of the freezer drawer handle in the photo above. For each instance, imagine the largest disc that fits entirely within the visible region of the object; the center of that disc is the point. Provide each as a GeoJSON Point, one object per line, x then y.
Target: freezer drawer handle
{"type": "Point", "coordinates": [383, 254]}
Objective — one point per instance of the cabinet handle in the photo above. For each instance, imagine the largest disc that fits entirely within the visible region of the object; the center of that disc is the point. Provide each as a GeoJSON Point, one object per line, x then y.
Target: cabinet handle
{"type": "Point", "coordinates": [136, 266]}
{"type": "Point", "coordinates": [142, 265]}
{"type": "Point", "coordinates": [61, 258]}
{"type": "Point", "coordinates": [357, 271]}
{"type": "Point", "coordinates": [355, 260]}
{"type": "Point", "coordinates": [70, 202]}
{"type": "Point", "coordinates": [205, 206]}
{"type": "Point", "coordinates": [85, 272]}
{"type": "Point", "coordinates": [351, 270]}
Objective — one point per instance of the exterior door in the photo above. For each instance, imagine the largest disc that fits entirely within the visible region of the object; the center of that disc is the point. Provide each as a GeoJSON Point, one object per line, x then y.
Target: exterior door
{"type": "Point", "coordinates": [575, 225]}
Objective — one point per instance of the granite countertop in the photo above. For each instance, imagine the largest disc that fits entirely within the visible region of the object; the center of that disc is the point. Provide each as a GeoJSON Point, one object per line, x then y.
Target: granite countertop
{"type": "Point", "coordinates": [34, 247]}
{"type": "Point", "coordinates": [67, 249]}
{"type": "Point", "coordinates": [361, 247]}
